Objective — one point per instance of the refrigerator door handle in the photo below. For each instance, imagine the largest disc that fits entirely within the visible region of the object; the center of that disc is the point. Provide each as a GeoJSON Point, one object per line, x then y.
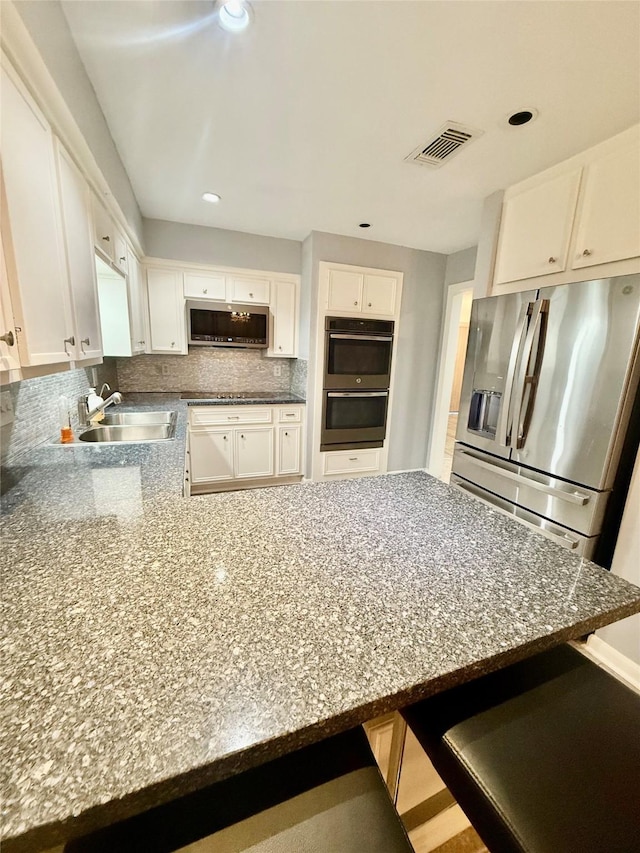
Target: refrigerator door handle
{"type": "Point", "coordinates": [574, 496]}
{"type": "Point", "coordinates": [518, 434]}
{"type": "Point", "coordinates": [502, 427]}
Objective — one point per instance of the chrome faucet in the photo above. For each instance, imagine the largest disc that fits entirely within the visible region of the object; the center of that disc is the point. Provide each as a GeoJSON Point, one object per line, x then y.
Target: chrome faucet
{"type": "Point", "coordinates": [85, 415]}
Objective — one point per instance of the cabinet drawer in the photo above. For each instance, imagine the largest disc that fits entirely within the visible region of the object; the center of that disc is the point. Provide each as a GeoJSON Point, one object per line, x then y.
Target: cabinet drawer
{"type": "Point", "coordinates": [250, 290]}
{"type": "Point", "coordinates": [347, 462]}
{"type": "Point", "coordinates": [207, 415]}
{"type": "Point", "coordinates": [289, 416]}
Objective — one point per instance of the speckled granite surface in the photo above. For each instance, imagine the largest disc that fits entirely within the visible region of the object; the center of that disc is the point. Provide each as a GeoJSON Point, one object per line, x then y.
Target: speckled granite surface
{"type": "Point", "coordinates": [244, 398]}
{"type": "Point", "coordinates": [154, 644]}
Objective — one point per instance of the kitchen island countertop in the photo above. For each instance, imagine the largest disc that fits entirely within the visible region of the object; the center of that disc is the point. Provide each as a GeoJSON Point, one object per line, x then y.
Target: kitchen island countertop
{"type": "Point", "coordinates": [155, 644]}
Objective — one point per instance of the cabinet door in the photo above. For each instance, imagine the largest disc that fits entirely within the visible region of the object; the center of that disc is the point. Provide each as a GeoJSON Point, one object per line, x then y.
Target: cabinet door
{"type": "Point", "coordinates": [284, 312]}
{"type": "Point", "coordinates": [536, 229]}
{"type": "Point", "coordinates": [200, 285]}
{"type": "Point", "coordinates": [254, 452]}
{"type": "Point", "coordinates": [211, 455]}
{"type": "Point", "coordinates": [75, 198]}
{"type": "Point", "coordinates": [167, 321]}
{"type": "Point", "coordinates": [136, 303]}
{"type": "Point", "coordinates": [9, 359]}
{"type": "Point", "coordinates": [120, 258]}
{"type": "Point", "coordinates": [345, 291]}
{"type": "Point", "coordinates": [250, 290]}
{"type": "Point", "coordinates": [32, 230]}
{"type": "Point", "coordinates": [379, 295]}
{"type": "Point", "coordinates": [103, 230]}
{"type": "Point", "coordinates": [288, 450]}
{"type": "Point", "coordinates": [609, 221]}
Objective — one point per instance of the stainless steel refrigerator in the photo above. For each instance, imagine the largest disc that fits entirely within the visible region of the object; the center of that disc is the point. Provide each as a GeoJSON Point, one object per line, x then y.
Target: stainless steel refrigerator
{"type": "Point", "coordinates": [548, 406]}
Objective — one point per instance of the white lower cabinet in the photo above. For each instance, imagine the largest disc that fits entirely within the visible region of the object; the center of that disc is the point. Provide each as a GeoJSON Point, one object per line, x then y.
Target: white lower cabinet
{"type": "Point", "coordinates": [254, 452]}
{"type": "Point", "coordinates": [289, 447]}
{"type": "Point", "coordinates": [211, 455]}
{"type": "Point", "coordinates": [256, 443]}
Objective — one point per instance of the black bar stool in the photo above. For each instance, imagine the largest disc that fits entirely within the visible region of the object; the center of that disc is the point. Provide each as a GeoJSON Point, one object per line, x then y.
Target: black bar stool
{"type": "Point", "coordinates": [324, 798]}
{"type": "Point", "coordinates": [543, 756]}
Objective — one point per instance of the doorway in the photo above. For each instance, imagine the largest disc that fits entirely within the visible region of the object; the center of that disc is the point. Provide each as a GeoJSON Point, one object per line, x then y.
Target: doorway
{"type": "Point", "coordinates": [452, 356]}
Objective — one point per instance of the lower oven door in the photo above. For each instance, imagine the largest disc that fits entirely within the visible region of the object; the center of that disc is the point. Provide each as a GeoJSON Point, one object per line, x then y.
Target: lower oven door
{"type": "Point", "coordinates": [353, 419]}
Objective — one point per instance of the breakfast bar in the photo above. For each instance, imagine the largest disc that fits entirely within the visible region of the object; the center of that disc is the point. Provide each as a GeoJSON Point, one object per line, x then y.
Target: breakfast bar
{"type": "Point", "coordinates": [156, 644]}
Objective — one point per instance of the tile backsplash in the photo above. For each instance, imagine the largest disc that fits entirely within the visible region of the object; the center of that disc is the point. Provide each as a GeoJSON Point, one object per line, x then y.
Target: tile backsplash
{"type": "Point", "coordinates": [204, 369]}
{"type": "Point", "coordinates": [35, 405]}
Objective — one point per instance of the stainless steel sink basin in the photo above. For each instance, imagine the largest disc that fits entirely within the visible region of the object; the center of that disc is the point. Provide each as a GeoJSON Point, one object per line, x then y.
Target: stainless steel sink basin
{"type": "Point", "coordinates": [135, 418]}
{"type": "Point", "coordinates": [135, 427]}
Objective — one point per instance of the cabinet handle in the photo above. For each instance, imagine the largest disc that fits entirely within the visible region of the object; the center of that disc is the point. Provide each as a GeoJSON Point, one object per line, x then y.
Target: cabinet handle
{"type": "Point", "coordinates": [140, 343]}
{"type": "Point", "coordinates": [8, 339]}
{"type": "Point", "coordinates": [173, 343]}
{"type": "Point", "coordinates": [368, 305]}
{"type": "Point", "coordinates": [552, 260]}
{"type": "Point", "coordinates": [356, 302]}
{"type": "Point", "coordinates": [279, 348]}
{"type": "Point", "coordinates": [225, 437]}
{"type": "Point", "coordinates": [84, 342]}
{"type": "Point", "coordinates": [233, 417]}
{"type": "Point", "coordinates": [289, 415]}
{"type": "Point", "coordinates": [123, 259]}
{"type": "Point", "coordinates": [586, 253]}
{"type": "Point", "coordinates": [205, 290]}
{"type": "Point", "coordinates": [353, 459]}
{"type": "Point", "coordinates": [242, 435]}
{"type": "Point", "coordinates": [251, 295]}
{"type": "Point", "coordinates": [107, 239]}
{"type": "Point", "coordinates": [71, 341]}
{"type": "Point", "coordinates": [286, 433]}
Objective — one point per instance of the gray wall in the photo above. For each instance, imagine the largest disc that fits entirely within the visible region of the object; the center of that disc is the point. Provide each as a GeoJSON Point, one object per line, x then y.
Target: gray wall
{"type": "Point", "coordinates": [50, 32]}
{"type": "Point", "coordinates": [460, 266]}
{"type": "Point", "coordinates": [419, 333]}
{"type": "Point", "coordinates": [487, 243]}
{"type": "Point", "coordinates": [203, 245]}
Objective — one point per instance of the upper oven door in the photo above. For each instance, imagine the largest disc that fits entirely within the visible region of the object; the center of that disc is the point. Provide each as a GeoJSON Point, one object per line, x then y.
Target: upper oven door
{"type": "Point", "coordinates": [355, 360]}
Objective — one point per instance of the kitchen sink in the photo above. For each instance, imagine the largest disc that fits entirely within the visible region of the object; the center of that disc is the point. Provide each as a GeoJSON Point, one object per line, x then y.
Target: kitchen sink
{"type": "Point", "coordinates": [136, 418]}
{"type": "Point", "coordinates": [135, 427]}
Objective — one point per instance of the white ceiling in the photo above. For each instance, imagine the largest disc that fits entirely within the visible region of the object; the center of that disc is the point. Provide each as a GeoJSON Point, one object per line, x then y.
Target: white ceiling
{"type": "Point", "coordinates": [303, 121]}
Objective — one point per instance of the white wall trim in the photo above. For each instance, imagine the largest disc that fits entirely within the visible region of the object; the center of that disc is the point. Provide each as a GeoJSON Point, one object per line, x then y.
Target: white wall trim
{"type": "Point", "coordinates": [446, 367]}
{"type": "Point", "coordinates": [612, 660]}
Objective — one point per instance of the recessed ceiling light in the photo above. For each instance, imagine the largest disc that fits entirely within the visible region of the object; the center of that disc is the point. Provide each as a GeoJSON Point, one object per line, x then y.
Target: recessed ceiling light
{"type": "Point", "coordinates": [364, 225]}
{"type": "Point", "coordinates": [234, 15]}
{"type": "Point", "coordinates": [522, 117]}
{"type": "Point", "coordinates": [214, 198]}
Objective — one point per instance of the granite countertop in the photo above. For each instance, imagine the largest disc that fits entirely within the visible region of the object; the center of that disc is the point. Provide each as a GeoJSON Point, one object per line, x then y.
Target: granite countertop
{"type": "Point", "coordinates": [242, 398]}
{"type": "Point", "coordinates": [155, 644]}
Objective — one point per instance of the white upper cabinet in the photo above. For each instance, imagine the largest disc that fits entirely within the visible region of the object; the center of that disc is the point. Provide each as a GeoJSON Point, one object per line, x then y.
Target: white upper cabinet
{"type": "Point", "coordinates": [379, 294]}
{"type": "Point", "coordinates": [9, 358]}
{"type": "Point", "coordinates": [609, 218]}
{"type": "Point", "coordinates": [536, 229]}
{"type": "Point", "coordinates": [345, 290]}
{"type": "Point", "coordinates": [284, 319]}
{"type": "Point", "coordinates": [204, 285]}
{"type": "Point", "coordinates": [32, 231]}
{"type": "Point", "coordinates": [249, 290]}
{"type": "Point", "coordinates": [136, 303]}
{"type": "Point", "coordinates": [579, 219]}
{"type": "Point", "coordinates": [167, 318]}
{"type": "Point", "coordinates": [75, 198]}
{"type": "Point", "coordinates": [362, 293]}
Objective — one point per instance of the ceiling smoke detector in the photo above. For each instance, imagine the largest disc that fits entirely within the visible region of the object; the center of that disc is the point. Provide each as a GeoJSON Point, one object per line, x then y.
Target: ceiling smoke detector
{"type": "Point", "coordinates": [446, 143]}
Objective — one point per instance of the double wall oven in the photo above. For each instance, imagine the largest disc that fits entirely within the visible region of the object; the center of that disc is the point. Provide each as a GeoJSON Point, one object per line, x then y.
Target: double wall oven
{"type": "Point", "coordinates": [357, 371]}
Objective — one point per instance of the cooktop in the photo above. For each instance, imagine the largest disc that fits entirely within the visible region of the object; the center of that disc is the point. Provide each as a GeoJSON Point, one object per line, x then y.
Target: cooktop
{"type": "Point", "coordinates": [230, 395]}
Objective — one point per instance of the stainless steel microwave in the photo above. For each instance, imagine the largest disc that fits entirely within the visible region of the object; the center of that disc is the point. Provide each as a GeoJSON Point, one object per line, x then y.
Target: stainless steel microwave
{"type": "Point", "coordinates": [213, 324]}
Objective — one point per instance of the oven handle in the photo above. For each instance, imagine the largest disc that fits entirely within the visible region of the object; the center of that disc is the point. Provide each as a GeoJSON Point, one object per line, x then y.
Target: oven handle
{"type": "Point", "coordinates": [361, 337]}
{"type": "Point", "coordinates": [358, 394]}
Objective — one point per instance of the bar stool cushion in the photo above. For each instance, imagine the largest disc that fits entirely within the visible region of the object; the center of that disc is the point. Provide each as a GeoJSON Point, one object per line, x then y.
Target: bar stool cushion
{"type": "Point", "coordinates": [324, 798]}
{"type": "Point", "coordinates": [543, 756]}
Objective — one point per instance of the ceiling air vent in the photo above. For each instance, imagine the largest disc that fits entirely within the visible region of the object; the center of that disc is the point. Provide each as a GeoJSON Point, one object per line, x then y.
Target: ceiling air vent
{"type": "Point", "coordinates": [451, 137]}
